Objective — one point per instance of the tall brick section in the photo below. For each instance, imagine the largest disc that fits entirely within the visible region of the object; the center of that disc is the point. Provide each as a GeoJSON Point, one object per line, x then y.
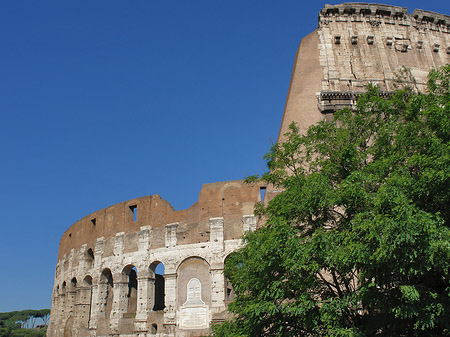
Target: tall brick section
{"type": "Point", "coordinates": [358, 43]}
{"type": "Point", "coordinates": [109, 279]}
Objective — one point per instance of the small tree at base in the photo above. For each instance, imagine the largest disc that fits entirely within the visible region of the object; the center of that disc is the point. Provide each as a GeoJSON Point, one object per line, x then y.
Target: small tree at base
{"type": "Point", "coordinates": [358, 242]}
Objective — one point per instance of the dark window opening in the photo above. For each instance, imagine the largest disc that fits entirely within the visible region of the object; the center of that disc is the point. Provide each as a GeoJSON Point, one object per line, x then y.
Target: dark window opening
{"type": "Point", "coordinates": [108, 283]}
{"type": "Point", "coordinates": [88, 293]}
{"type": "Point", "coordinates": [132, 291]}
{"type": "Point", "coordinates": [90, 254]}
{"type": "Point", "coordinates": [154, 328]}
{"type": "Point", "coordinates": [332, 11]}
{"type": "Point", "coordinates": [382, 12]}
{"type": "Point", "coordinates": [159, 287]}
{"type": "Point", "coordinates": [229, 291]}
{"type": "Point", "coordinates": [262, 192]}
{"type": "Point", "coordinates": [94, 222]}
{"type": "Point", "coordinates": [159, 293]}
{"type": "Point", "coordinates": [70, 235]}
{"type": "Point", "coordinates": [427, 19]}
{"type": "Point", "coordinates": [349, 11]}
{"type": "Point", "coordinates": [133, 210]}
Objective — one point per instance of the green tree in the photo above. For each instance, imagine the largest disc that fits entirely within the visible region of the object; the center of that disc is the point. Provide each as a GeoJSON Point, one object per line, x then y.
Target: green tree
{"type": "Point", "coordinates": [23, 323]}
{"type": "Point", "coordinates": [358, 242]}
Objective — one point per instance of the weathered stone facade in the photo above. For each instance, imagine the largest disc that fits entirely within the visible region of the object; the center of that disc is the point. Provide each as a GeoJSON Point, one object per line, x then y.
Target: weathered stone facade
{"type": "Point", "coordinates": [107, 280]}
{"type": "Point", "coordinates": [358, 43]}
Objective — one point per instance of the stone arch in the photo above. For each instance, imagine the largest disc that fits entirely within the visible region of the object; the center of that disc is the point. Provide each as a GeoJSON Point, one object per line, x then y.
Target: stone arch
{"type": "Point", "coordinates": [73, 283]}
{"type": "Point", "coordinates": [89, 258]}
{"type": "Point", "coordinates": [193, 257]}
{"type": "Point", "coordinates": [106, 287]}
{"type": "Point", "coordinates": [129, 274]}
{"type": "Point", "coordinates": [193, 267]}
{"type": "Point", "coordinates": [71, 292]}
{"type": "Point", "coordinates": [63, 297]}
{"type": "Point", "coordinates": [194, 293]}
{"type": "Point", "coordinates": [154, 328]}
{"type": "Point", "coordinates": [229, 184]}
{"type": "Point", "coordinates": [156, 273]}
{"type": "Point", "coordinates": [87, 281]}
{"type": "Point", "coordinates": [68, 327]}
{"type": "Point", "coordinates": [228, 287]}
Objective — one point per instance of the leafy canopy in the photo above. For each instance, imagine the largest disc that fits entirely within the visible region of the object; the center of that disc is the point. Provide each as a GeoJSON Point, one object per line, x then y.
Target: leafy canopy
{"type": "Point", "coordinates": [23, 323]}
{"type": "Point", "coordinates": [358, 242]}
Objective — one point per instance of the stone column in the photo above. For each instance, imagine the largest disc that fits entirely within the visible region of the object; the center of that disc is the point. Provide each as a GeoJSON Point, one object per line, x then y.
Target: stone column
{"type": "Point", "coordinates": [171, 234]}
{"type": "Point", "coordinates": [118, 244]}
{"type": "Point", "coordinates": [170, 319]}
{"type": "Point", "coordinates": [216, 232]}
{"type": "Point", "coordinates": [98, 289]}
{"type": "Point", "coordinates": [216, 270]}
{"type": "Point", "coordinates": [54, 315]}
{"type": "Point", "coordinates": [249, 223]}
{"type": "Point", "coordinates": [120, 302]}
{"type": "Point", "coordinates": [217, 289]}
{"type": "Point", "coordinates": [70, 306]}
{"type": "Point", "coordinates": [97, 308]}
{"type": "Point", "coordinates": [144, 238]}
{"type": "Point", "coordinates": [83, 306]}
{"type": "Point", "coordinates": [144, 302]}
{"type": "Point", "coordinates": [62, 314]}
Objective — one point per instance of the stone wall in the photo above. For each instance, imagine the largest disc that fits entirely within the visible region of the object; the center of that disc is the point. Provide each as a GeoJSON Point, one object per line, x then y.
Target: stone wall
{"type": "Point", "coordinates": [356, 44]}
{"type": "Point", "coordinates": [108, 278]}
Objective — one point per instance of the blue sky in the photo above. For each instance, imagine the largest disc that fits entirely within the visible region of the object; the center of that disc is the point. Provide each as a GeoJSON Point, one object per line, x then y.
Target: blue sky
{"type": "Point", "coordinates": [105, 101]}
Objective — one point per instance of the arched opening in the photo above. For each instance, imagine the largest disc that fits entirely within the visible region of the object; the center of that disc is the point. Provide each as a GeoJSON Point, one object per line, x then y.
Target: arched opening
{"type": "Point", "coordinates": [73, 283]}
{"type": "Point", "coordinates": [87, 281]}
{"type": "Point", "coordinates": [157, 271]}
{"type": "Point", "coordinates": [229, 291]}
{"type": "Point", "coordinates": [90, 258]}
{"type": "Point", "coordinates": [68, 327]}
{"type": "Point", "coordinates": [130, 272]}
{"type": "Point", "coordinates": [56, 300]}
{"type": "Point", "coordinates": [71, 296]}
{"type": "Point", "coordinates": [63, 298]}
{"type": "Point", "coordinates": [86, 299]}
{"type": "Point", "coordinates": [106, 291]}
{"type": "Point", "coordinates": [194, 289]}
{"type": "Point", "coordinates": [154, 329]}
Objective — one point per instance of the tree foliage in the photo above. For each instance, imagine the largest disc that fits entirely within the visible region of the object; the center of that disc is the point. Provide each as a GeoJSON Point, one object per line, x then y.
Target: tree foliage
{"type": "Point", "coordinates": [358, 242]}
{"type": "Point", "coordinates": [23, 323]}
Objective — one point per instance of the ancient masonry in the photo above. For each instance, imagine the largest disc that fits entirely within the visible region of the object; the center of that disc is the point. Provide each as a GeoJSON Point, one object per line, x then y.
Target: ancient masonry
{"type": "Point", "coordinates": [109, 279]}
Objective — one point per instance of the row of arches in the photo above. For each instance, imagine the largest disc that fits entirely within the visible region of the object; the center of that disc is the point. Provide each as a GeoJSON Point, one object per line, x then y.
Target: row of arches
{"type": "Point", "coordinates": [103, 301]}
{"type": "Point", "coordinates": [128, 280]}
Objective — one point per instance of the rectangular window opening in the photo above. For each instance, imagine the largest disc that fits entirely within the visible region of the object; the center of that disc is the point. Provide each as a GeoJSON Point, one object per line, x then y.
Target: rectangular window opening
{"type": "Point", "coordinates": [262, 191]}
{"type": "Point", "coordinates": [94, 222]}
{"type": "Point", "coordinates": [133, 210]}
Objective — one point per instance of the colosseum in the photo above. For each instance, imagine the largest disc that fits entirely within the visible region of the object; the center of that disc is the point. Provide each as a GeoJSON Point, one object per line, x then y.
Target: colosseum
{"type": "Point", "coordinates": [140, 268]}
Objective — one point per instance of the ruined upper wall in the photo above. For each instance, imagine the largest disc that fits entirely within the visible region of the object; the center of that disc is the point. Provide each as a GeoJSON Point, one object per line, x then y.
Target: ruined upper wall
{"type": "Point", "coordinates": [360, 43]}
{"type": "Point", "coordinates": [230, 200]}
